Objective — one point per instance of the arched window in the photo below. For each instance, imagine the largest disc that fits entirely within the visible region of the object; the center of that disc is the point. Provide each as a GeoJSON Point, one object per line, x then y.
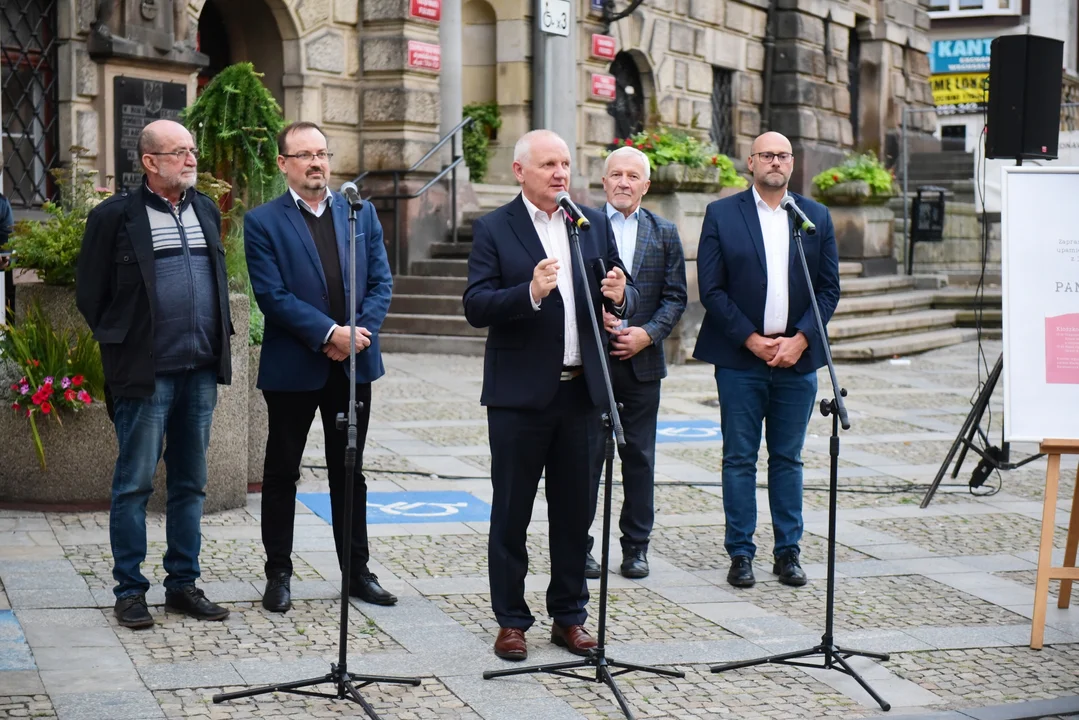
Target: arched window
{"type": "Point", "coordinates": [628, 106]}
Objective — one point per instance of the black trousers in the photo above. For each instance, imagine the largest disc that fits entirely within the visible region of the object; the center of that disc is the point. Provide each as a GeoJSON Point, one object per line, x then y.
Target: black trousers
{"type": "Point", "coordinates": [640, 408]}
{"type": "Point", "coordinates": [290, 416]}
{"type": "Point", "coordinates": [558, 441]}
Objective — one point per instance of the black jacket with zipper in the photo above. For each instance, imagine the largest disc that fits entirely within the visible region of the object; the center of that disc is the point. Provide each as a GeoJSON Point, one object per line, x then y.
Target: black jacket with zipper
{"type": "Point", "coordinates": [115, 288]}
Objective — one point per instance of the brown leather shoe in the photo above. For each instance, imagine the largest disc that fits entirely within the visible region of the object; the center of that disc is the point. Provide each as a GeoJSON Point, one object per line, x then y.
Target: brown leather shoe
{"type": "Point", "coordinates": [574, 638]}
{"type": "Point", "coordinates": [510, 644]}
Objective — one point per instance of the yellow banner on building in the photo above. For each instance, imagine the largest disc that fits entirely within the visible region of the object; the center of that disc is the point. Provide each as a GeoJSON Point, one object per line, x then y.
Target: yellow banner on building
{"type": "Point", "coordinates": [959, 88]}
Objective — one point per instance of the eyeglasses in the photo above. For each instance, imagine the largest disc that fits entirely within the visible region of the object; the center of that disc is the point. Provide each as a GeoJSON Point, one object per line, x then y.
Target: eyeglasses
{"type": "Point", "coordinates": [308, 157]}
{"type": "Point", "coordinates": [179, 153]}
{"type": "Point", "coordinates": [783, 157]}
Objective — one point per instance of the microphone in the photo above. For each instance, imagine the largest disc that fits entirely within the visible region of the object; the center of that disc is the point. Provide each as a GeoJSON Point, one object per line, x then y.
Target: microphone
{"type": "Point", "coordinates": [791, 207]}
{"type": "Point", "coordinates": [352, 195]}
{"type": "Point", "coordinates": [572, 211]}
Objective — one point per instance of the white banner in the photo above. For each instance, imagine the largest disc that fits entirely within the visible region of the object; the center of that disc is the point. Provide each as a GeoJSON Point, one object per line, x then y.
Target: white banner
{"type": "Point", "coordinates": [1040, 259]}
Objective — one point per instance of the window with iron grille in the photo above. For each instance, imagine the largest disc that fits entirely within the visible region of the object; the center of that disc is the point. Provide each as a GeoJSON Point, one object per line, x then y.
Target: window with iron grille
{"type": "Point", "coordinates": [723, 110]}
{"type": "Point", "coordinates": [29, 97]}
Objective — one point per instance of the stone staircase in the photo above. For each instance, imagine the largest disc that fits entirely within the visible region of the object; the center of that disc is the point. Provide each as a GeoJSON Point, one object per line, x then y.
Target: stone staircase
{"type": "Point", "coordinates": [426, 314]}
{"type": "Point", "coordinates": [882, 317]}
{"type": "Point", "coordinates": [877, 317]}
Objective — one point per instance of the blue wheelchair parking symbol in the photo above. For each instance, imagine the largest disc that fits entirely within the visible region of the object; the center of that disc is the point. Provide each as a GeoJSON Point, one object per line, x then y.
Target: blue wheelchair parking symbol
{"type": "Point", "coordinates": [669, 431]}
{"type": "Point", "coordinates": [410, 507]}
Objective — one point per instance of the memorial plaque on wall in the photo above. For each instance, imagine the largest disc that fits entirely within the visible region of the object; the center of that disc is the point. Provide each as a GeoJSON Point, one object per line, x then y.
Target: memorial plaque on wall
{"type": "Point", "coordinates": [138, 103]}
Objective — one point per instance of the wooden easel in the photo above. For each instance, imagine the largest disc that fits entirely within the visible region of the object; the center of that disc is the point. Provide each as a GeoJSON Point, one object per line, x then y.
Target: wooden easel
{"type": "Point", "coordinates": [1046, 572]}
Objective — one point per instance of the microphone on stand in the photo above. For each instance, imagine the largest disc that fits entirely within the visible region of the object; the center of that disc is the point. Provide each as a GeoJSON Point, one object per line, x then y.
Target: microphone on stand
{"type": "Point", "coordinates": [796, 212]}
{"type": "Point", "coordinates": [572, 211]}
{"type": "Point", "coordinates": [352, 195]}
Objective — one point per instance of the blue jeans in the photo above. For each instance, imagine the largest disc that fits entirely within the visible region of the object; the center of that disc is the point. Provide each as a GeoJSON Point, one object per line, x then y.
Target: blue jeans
{"type": "Point", "coordinates": [783, 400]}
{"type": "Point", "coordinates": [181, 408]}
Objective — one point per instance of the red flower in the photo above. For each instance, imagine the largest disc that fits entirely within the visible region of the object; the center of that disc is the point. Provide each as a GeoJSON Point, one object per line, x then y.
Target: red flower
{"type": "Point", "coordinates": [84, 397]}
{"type": "Point", "coordinates": [76, 381]}
{"type": "Point", "coordinates": [38, 398]}
{"type": "Point", "coordinates": [35, 363]}
{"type": "Point", "coordinates": [835, 177]}
{"type": "Point", "coordinates": [46, 408]}
{"type": "Point", "coordinates": [69, 394]}
{"type": "Point", "coordinates": [14, 406]}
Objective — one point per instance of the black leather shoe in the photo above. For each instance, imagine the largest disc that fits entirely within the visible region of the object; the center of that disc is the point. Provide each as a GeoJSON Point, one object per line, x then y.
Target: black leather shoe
{"type": "Point", "coordinates": [191, 601]}
{"type": "Point", "coordinates": [278, 595]}
{"type": "Point", "coordinates": [741, 572]}
{"type": "Point", "coordinates": [634, 564]}
{"type": "Point", "coordinates": [592, 570]}
{"type": "Point", "coordinates": [365, 586]}
{"type": "Point", "coordinates": [788, 569]}
{"type": "Point", "coordinates": [131, 612]}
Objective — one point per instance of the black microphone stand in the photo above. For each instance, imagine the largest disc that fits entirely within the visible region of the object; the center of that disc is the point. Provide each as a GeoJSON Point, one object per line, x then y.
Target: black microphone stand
{"type": "Point", "coordinates": [346, 685]}
{"type": "Point", "coordinates": [606, 668]}
{"type": "Point", "coordinates": [832, 656]}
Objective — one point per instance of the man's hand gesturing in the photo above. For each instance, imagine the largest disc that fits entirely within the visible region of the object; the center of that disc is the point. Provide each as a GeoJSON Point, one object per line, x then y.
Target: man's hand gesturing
{"type": "Point", "coordinates": [544, 278]}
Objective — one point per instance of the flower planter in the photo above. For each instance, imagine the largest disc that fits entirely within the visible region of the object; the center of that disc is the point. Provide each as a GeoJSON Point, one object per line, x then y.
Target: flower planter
{"type": "Point", "coordinates": [58, 304]}
{"type": "Point", "coordinates": [676, 177]}
{"type": "Point", "coordinates": [80, 455]}
{"type": "Point", "coordinates": [853, 193]}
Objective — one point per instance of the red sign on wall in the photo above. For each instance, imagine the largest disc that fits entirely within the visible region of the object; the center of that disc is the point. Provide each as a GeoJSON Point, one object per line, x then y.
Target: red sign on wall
{"type": "Point", "coordinates": [424, 56]}
{"type": "Point", "coordinates": [603, 47]}
{"type": "Point", "coordinates": [603, 86]}
{"type": "Point", "coordinates": [426, 9]}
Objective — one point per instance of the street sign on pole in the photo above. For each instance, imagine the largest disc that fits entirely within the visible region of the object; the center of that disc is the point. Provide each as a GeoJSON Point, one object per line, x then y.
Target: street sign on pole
{"type": "Point", "coordinates": [555, 17]}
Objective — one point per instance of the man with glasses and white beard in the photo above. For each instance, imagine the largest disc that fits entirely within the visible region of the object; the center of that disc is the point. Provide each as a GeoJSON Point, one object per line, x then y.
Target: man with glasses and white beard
{"type": "Point", "coordinates": [151, 284]}
{"type": "Point", "coordinates": [297, 249]}
{"type": "Point", "coordinates": [760, 333]}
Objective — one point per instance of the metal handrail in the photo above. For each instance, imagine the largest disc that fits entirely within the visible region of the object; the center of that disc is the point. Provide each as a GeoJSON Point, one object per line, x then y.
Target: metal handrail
{"type": "Point", "coordinates": [397, 196]}
{"type": "Point", "coordinates": [416, 165]}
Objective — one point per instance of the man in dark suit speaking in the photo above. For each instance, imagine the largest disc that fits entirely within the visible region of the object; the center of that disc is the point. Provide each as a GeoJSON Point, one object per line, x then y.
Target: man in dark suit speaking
{"type": "Point", "coordinates": [542, 385]}
{"type": "Point", "coordinates": [760, 333]}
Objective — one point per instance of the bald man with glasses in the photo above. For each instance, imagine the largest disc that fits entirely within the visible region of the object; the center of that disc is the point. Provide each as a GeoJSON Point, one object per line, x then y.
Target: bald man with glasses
{"type": "Point", "coordinates": [760, 334]}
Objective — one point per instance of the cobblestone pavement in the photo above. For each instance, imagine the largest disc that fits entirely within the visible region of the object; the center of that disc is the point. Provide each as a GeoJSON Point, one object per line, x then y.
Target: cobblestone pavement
{"type": "Point", "coordinates": [946, 591]}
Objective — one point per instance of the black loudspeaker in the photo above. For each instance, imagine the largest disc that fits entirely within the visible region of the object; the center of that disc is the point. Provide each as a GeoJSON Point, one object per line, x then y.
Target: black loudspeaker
{"type": "Point", "coordinates": [1025, 75]}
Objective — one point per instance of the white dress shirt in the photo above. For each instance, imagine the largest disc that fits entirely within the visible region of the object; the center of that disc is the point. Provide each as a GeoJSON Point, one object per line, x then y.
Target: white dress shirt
{"type": "Point", "coordinates": [625, 233]}
{"type": "Point", "coordinates": [319, 209]}
{"type": "Point", "coordinates": [775, 226]}
{"type": "Point", "coordinates": [625, 239]}
{"type": "Point", "coordinates": [552, 234]}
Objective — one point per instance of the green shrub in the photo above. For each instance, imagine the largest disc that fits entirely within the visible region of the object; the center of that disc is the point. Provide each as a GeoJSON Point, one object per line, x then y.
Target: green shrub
{"type": "Point", "coordinates": [476, 138]}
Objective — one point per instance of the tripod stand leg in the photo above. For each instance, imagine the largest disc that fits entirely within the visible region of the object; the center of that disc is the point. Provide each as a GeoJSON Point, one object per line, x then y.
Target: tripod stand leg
{"type": "Point", "coordinates": [861, 653]}
{"type": "Point", "coordinates": [629, 667]}
{"type": "Point", "coordinates": [607, 679]}
{"type": "Point", "coordinates": [552, 667]}
{"type": "Point", "coordinates": [357, 698]}
{"type": "Point", "coordinates": [967, 432]}
{"type": "Point", "coordinates": [858, 678]}
{"type": "Point", "coordinates": [765, 660]}
{"type": "Point", "coordinates": [277, 687]}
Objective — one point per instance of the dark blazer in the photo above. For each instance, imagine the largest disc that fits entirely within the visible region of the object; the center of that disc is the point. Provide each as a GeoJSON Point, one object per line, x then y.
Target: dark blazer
{"type": "Point", "coordinates": [524, 352]}
{"type": "Point", "coordinates": [733, 282]}
{"type": "Point", "coordinates": [115, 281]}
{"type": "Point", "coordinates": [290, 288]}
{"type": "Point", "coordinates": [659, 274]}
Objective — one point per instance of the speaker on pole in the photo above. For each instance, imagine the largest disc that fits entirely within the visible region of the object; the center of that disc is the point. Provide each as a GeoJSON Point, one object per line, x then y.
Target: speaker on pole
{"type": "Point", "coordinates": [1025, 75]}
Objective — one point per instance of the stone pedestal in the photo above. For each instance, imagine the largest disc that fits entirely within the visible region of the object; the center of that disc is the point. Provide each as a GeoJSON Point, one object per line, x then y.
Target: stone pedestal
{"type": "Point", "coordinates": [686, 210]}
{"type": "Point", "coordinates": [866, 234]}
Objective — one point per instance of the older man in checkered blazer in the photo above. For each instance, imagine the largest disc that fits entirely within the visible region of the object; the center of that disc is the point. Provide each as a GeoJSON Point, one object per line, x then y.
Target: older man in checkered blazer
{"type": "Point", "coordinates": [652, 252]}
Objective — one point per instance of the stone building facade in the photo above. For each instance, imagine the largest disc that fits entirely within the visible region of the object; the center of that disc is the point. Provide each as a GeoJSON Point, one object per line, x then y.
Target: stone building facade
{"type": "Point", "coordinates": [388, 78]}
